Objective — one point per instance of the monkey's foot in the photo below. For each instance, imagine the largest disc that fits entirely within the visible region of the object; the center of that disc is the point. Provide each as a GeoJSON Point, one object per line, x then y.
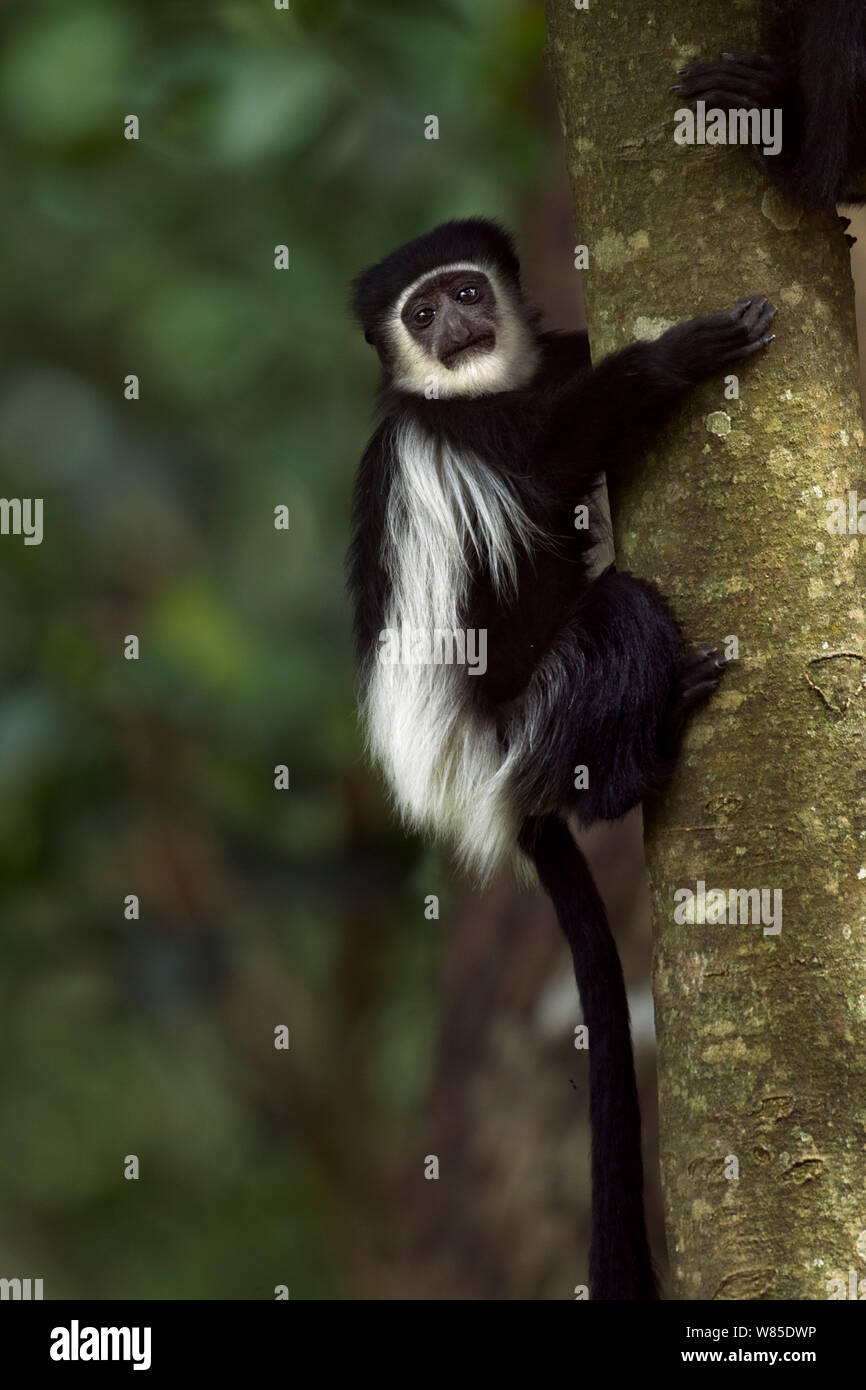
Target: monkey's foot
{"type": "Point", "coordinates": [701, 671]}
{"type": "Point", "coordinates": [739, 81]}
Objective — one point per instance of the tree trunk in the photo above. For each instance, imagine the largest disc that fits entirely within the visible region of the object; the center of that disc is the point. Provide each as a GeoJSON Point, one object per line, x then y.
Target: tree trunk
{"type": "Point", "coordinates": [762, 1064]}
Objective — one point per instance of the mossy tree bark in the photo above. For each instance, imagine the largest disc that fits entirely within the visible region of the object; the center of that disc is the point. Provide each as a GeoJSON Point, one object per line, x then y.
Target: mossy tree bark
{"type": "Point", "coordinates": [762, 1037]}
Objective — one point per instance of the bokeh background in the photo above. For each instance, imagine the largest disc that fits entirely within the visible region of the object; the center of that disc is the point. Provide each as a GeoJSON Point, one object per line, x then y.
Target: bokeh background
{"type": "Point", "coordinates": [154, 1037]}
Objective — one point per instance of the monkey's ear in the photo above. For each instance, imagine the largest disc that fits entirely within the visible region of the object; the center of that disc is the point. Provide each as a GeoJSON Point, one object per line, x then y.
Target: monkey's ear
{"type": "Point", "coordinates": [369, 338]}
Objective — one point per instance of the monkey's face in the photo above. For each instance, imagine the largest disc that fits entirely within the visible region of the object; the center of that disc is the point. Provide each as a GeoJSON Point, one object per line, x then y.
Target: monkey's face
{"type": "Point", "coordinates": [459, 331]}
{"type": "Point", "coordinates": [453, 316]}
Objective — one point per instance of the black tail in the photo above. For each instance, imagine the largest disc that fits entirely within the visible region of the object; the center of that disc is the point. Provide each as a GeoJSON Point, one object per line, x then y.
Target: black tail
{"type": "Point", "coordinates": [619, 1262]}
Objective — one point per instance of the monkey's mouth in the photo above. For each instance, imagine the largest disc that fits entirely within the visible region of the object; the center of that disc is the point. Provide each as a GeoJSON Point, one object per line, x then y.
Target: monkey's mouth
{"type": "Point", "coordinates": [485, 342]}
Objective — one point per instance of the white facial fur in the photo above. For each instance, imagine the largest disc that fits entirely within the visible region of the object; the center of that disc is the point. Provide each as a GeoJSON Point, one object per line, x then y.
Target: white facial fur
{"type": "Point", "coordinates": [511, 363]}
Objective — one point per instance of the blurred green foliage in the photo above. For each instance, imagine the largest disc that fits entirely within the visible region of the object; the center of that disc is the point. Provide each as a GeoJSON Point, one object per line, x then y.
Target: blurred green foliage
{"type": "Point", "coordinates": [156, 257]}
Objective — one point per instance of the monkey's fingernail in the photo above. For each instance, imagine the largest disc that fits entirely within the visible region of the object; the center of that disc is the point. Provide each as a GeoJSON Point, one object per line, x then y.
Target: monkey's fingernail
{"type": "Point", "coordinates": [677, 87]}
{"type": "Point", "coordinates": [731, 57]}
{"type": "Point", "coordinates": [775, 312]}
{"type": "Point", "coordinates": [680, 71]}
{"type": "Point", "coordinates": [768, 338]}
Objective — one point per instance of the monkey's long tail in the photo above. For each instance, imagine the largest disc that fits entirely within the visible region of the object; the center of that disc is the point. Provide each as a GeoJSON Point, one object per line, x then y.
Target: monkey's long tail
{"type": "Point", "coordinates": [619, 1264]}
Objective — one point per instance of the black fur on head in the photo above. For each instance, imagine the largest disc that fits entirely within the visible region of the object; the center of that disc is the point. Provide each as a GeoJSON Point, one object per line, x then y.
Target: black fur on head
{"type": "Point", "coordinates": [474, 239]}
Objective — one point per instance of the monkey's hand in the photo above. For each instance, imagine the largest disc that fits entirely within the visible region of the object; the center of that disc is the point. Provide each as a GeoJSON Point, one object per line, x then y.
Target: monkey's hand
{"type": "Point", "coordinates": [700, 347]}
{"type": "Point", "coordinates": [653, 376]}
{"type": "Point", "coordinates": [737, 82]}
{"type": "Point", "coordinates": [751, 82]}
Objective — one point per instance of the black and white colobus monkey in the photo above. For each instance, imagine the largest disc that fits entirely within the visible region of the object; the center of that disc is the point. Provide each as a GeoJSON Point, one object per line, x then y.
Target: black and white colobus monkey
{"type": "Point", "coordinates": [492, 432]}
{"type": "Point", "coordinates": [814, 71]}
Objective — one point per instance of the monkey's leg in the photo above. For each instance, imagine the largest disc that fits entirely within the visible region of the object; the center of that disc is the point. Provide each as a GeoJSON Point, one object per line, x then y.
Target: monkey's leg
{"type": "Point", "coordinates": [602, 715]}
{"type": "Point", "coordinates": [608, 700]}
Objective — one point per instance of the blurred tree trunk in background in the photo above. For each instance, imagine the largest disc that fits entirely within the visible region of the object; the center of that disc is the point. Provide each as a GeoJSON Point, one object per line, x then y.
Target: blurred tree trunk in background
{"type": "Point", "coordinates": [760, 1036]}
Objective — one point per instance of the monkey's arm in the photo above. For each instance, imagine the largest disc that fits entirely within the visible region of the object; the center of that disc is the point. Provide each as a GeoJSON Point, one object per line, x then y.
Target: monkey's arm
{"type": "Point", "coordinates": [608, 415]}
{"type": "Point", "coordinates": [565, 354]}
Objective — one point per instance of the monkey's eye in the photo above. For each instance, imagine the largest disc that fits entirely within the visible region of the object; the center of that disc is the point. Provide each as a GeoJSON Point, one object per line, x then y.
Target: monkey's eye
{"type": "Point", "coordinates": [424, 315]}
{"type": "Point", "coordinates": [468, 295]}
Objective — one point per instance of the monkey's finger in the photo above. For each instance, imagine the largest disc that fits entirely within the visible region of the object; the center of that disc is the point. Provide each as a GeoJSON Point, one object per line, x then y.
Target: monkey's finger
{"type": "Point", "coordinates": [735, 316]}
{"type": "Point", "coordinates": [755, 347]}
{"type": "Point", "coordinates": [703, 650]}
{"type": "Point", "coordinates": [697, 692]}
{"type": "Point", "coordinates": [723, 100]}
{"type": "Point", "coordinates": [744, 348]}
{"type": "Point", "coordinates": [702, 670]}
{"type": "Point", "coordinates": [757, 311]}
{"type": "Point", "coordinates": [706, 657]}
{"type": "Point", "coordinates": [702, 664]}
{"type": "Point", "coordinates": [766, 318]}
{"type": "Point", "coordinates": [763, 61]}
{"type": "Point", "coordinates": [733, 67]}
{"type": "Point", "coordinates": [695, 82]}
